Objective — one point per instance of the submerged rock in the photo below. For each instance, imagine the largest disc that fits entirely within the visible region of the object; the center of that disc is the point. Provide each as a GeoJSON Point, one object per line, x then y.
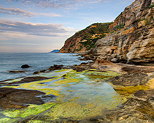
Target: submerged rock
{"type": "Point", "coordinates": [17, 71]}
{"type": "Point", "coordinates": [30, 79]}
{"type": "Point", "coordinates": [36, 72]}
{"type": "Point", "coordinates": [41, 71]}
{"type": "Point", "coordinates": [19, 98]}
{"type": "Point", "coordinates": [24, 80]}
{"type": "Point", "coordinates": [56, 67]}
{"type": "Point", "coordinates": [25, 66]}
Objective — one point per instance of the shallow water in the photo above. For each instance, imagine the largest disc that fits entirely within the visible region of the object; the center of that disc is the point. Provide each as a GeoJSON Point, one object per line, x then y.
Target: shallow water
{"type": "Point", "coordinates": [79, 96]}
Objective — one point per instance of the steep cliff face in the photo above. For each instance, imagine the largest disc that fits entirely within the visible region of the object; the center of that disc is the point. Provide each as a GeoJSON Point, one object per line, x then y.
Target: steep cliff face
{"type": "Point", "coordinates": [129, 38]}
{"type": "Point", "coordinates": [85, 39]}
{"type": "Point", "coordinates": [132, 39]}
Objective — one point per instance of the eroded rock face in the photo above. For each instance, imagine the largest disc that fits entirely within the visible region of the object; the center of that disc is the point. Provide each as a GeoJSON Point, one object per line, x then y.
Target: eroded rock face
{"type": "Point", "coordinates": [136, 47]}
{"type": "Point", "coordinates": [133, 36]}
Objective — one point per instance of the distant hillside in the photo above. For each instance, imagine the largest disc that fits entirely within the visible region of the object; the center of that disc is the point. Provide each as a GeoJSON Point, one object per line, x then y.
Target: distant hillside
{"type": "Point", "coordinates": [85, 39]}
{"type": "Point", "coordinates": [54, 51]}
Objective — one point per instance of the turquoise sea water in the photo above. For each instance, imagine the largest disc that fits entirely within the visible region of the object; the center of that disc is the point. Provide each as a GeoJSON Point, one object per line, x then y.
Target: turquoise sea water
{"type": "Point", "coordinates": [38, 61]}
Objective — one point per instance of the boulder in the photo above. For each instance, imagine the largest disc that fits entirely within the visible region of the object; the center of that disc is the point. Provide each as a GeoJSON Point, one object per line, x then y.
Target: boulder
{"type": "Point", "coordinates": [114, 60]}
{"type": "Point", "coordinates": [25, 66]}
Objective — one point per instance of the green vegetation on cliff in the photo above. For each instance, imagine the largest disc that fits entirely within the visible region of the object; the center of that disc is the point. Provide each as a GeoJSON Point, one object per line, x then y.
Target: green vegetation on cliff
{"type": "Point", "coordinates": [94, 32]}
{"type": "Point", "coordinates": [96, 28]}
{"type": "Point", "coordinates": [120, 26]}
{"type": "Point", "coordinates": [86, 38]}
{"type": "Point", "coordinates": [151, 6]}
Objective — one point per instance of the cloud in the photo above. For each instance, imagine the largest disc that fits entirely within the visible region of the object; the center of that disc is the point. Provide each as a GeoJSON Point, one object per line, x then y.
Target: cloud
{"type": "Point", "coordinates": [47, 14]}
{"type": "Point", "coordinates": [56, 3]}
{"type": "Point", "coordinates": [54, 30]}
{"type": "Point", "coordinates": [17, 11]}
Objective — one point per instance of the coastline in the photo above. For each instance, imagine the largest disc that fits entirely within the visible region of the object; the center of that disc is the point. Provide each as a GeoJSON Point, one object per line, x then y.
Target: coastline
{"type": "Point", "coordinates": [132, 82]}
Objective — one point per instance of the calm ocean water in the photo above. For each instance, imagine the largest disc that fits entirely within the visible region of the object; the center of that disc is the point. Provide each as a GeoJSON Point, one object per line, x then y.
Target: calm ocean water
{"type": "Point", "coordinates": [38, 61]}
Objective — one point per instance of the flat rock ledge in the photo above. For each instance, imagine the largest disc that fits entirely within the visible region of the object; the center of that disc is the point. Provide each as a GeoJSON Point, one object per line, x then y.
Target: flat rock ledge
{"type": "Point", "coordinates": [11, 98]}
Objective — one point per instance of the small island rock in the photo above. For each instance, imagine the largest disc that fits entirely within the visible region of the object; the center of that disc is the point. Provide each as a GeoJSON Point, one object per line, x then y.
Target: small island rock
{"type": "Point", "coordinates": [25, 66]}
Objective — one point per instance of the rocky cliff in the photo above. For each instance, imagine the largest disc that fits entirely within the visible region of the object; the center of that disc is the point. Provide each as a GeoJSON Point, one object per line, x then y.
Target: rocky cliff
{"type": "Point", "coordinates": [85, 39]}
{"type": "Point", "coordinates": [130, 38]}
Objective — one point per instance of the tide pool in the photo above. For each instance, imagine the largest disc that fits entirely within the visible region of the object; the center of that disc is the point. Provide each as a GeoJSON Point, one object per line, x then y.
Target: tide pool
{"type": "Point", "coordinates": [79, 95]}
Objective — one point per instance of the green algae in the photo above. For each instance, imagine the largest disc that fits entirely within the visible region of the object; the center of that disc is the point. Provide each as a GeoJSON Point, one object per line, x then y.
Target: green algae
{"type": "Point", "coordinates": [74, 110]}
{"type": "Point", "coordinates": [56, 73]}
{"type": "Point", "coordinates": [106, 74]}
{"type": "Point", "coordinates": [150, 83]}
{"type": "Point", "coordinates": [93, 76]}
{"type": "Point", "coordinates": [70, 77]}
{"type": "Point", "coordinates": [77, 111]}
{"type": "Point", "coordinates": [129, 90]}
{"type": "Point", "coordinates": [92, 69]}
{"type": "Point", "coordinates": [37, 121]}
{"type": "Point", "coordinates": [65, 81]}
{"type": "Point", "coordinates": [39, 87]}
{"type": "Point", "coordinates": [14, 80]}
{"type": "Point", "coordinates": [7, 120]}
{"type": "Point", "coordinates": [97, 75]}
{"type": "Point", "coordinates": [62, 70]}
{"type": "Point", "coordinates": [49, 91]}
{"type": "Point", "coordinates": [71, 74]}
{"type": "Point", "coordinates": [30, 110]}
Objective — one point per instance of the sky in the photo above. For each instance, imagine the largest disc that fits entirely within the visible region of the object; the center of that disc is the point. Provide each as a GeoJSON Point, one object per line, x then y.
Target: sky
{"type": "Point", "coordinates": [44, 25]}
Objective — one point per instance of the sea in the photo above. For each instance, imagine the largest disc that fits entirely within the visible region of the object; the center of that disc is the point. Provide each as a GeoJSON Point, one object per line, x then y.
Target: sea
{"type": "Point", "coordinates": [37, 61]}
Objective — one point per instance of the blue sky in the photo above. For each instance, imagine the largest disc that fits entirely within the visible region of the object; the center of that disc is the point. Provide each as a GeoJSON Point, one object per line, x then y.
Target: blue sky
{"type": "Point", "coordinates": [44, 25]}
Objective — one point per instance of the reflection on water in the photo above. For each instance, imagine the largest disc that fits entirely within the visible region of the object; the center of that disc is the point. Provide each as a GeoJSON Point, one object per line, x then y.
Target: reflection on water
{"type": "Point", "coordinates": [92, 93]}
{"type": "Point", "coordinates": [78, 95]}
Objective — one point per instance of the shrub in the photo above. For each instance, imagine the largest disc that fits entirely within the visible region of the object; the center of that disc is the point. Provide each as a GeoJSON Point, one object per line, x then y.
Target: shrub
{"type": "Point", "coordinates": [151, 6]}
{"type": "Point", "coordinates": [120, 26]}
